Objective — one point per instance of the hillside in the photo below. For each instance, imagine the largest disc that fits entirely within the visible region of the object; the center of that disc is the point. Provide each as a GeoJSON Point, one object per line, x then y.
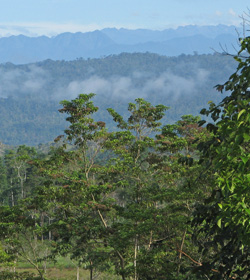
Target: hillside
{"type": "Point", "coordinates": [30, 94]}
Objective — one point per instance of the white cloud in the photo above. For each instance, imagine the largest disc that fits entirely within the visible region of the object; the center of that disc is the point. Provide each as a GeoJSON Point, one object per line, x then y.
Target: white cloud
{"type": "Point", "coordinates": [18, 82]}
{"type": "Point", "coordinates": [167, 84]}
{"type": "Point", "coordinates": [37, 81]}
{"type": "Point", "coordinates": [113, 86]}
{"type": "Point", "coordinates": [232, 12]}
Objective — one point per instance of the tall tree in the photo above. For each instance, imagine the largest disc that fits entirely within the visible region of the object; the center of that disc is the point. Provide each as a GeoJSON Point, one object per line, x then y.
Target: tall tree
{"type": "Point", "coordinates": [72, 194]}
{"type": "Point", "coordinates": [224, 219]}
{"type": "Point", "coordinates": [4, 196]}
{"type": "Point", "coordinates": [138, 221]}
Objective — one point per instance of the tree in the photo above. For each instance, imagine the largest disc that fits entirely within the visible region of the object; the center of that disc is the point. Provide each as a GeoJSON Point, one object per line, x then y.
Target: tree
{"type": "Point", "coordinates": [90, 221]}
{"type": "Point", "coordinates": [72, 193]}
{"type": "Point", "coordinates": [138, 219]}
{"type": "Point", "coordinates": [186, 185]}
{"type": "Point", "coordinates": [3, 183]}
{"type": "Point", "coordinates": [19, 241]}
{"type": "Point", "coordinates": [224, 218]}
{"type": "Point", "coordinates": [20, 174]}
{"type": "Point", "coordinates": [121, 200]}
{"type": "Point", "coordinates": [20, 227]}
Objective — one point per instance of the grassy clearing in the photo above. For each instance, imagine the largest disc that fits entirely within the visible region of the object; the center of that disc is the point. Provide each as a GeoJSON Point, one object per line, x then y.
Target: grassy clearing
{"type": "Point", "coordinates": [69, 274]}
{"type": "Point", "coordinates": [64, 269]}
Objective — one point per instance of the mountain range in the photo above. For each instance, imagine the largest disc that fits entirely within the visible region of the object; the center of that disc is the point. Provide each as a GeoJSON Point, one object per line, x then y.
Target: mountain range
{"type": "Point", "coordinates": [70, 46]}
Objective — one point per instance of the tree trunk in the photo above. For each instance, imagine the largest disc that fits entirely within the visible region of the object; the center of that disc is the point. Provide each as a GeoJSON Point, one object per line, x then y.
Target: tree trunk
{"type": "Point", "coordinates": [180, 255]}
{"type": "Point", "coordinates": [12, 199]}
{"type": "Point", "coordinates": [135, 258]}
{"type": "Point", "coordinates": [91, 273]}
{"type": "Point", "coordinates": [78, 273]}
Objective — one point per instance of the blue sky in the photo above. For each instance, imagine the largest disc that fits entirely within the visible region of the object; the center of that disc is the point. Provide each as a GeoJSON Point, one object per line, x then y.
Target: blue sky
{"type": "Point", "coordinates": [51, 17]}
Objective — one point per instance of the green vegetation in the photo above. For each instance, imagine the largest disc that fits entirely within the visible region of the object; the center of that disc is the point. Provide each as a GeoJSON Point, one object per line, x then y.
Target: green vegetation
{"type": "Point", "coordinates": [115, 202]}
{"type": "Point", "coordinates": [146, 200]}
{"type": "Point", "coordinates": [224, 218]}
{"type": "Point", "coordinates": [30, 93]}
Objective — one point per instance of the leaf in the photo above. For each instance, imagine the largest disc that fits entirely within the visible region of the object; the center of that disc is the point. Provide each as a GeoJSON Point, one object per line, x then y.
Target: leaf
{"type": "Point", "coordinates": [240, 113]}
{"type": "Point", "coordinates": [248, 211]}
{"type": "Point", "coordinates": [61, 222]}
{"type": "Point", "coordinates": [212, 128]}
{"type": "Point", "coordinates": [203, 111]}
{"type": "Point", "coordinates": [246, 136]}
{"type": "Point", "coordinates": [220, 205]}
{"type": "Point", "coordinates": [244, 159]}
{"type": "Point", "coordinates": [200, 123]}
{"type": "Point", "coordinates": [219, 223]}
{"type": "Point", "coordinates": [219, 87]}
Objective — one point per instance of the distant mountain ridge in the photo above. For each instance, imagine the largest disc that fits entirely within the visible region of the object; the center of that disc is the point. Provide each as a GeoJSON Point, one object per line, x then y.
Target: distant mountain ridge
{"type": "Point", "coordinates": [70, 46]}
{"type": "Point", "coordinates": [126, 36]}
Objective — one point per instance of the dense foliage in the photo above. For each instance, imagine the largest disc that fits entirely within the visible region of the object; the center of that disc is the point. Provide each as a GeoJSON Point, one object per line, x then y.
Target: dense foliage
{"type": "Point", "coordinates": [114, 201]}
{"type": "Point", "coordinates": [224, 218]}
{"type": "Point", "coordinates": [145, 200]}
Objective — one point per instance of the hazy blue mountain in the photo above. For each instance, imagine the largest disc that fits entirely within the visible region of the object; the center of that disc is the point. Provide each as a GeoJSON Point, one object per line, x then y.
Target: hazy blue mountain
{"type": "Point", "coordinates": [130, 37]}
{"type": "Point", "coordinates": [69, 46]}
{"type": "Point", "coordinates": [183, 45]}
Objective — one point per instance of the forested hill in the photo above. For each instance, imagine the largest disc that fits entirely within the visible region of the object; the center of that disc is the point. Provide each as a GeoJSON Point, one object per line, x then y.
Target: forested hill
{"type": "Point", "coordinates": [30, 93]}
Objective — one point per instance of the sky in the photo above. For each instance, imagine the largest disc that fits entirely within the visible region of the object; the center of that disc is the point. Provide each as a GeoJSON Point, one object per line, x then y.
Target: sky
{"type": "Point", "coordinates": [52, 17]}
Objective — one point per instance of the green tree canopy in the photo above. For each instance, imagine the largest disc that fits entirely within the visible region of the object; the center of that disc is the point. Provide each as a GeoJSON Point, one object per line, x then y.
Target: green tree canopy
{"type": "Point", "coordinates": [224, 219]}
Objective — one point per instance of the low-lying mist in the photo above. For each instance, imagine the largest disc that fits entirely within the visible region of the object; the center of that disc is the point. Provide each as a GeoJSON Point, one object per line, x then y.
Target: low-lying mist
{"type": "Point", "coordinates": [30, 94]}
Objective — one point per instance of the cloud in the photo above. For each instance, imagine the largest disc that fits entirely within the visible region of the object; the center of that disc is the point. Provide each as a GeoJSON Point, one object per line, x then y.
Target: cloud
{"type": "Point", "coordinates": [127, 88]}
{"type": "Point", "coordinates": [122, 87]}
{"type": "Point", "coordinates": [20, 82]}
{"type": "Point", "coordinates": [232, 12]}
{"type": "Point", "coordinates": [170, 85]}
{"type": "Point", "coordinates": [35, 81]}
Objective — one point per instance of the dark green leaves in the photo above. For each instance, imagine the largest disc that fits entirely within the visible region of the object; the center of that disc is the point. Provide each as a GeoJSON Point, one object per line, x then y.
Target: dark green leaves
{"type": "Point", "coordinates": [225, 218]}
